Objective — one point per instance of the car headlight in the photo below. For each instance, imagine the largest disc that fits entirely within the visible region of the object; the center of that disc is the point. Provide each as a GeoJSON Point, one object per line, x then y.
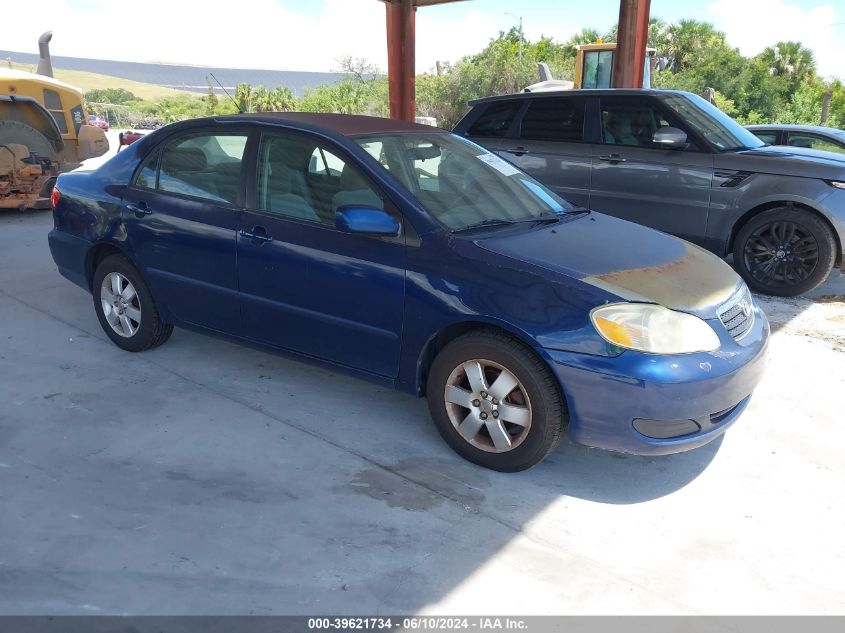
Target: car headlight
{"type": "Point", "coordinates": [837, 183]}
{"type": "Point", "coordinates": [650, 328]}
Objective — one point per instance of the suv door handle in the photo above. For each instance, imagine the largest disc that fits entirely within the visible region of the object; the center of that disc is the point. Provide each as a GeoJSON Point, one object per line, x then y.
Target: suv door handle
{"type": "Point", "coordinates": [613, 159]}
{"type": "Point", "coordinates": [140, 209]}
{"type": "Point", "coordinates": [258, 235]}
{"type": "Point", "coordinates": [517, 151]}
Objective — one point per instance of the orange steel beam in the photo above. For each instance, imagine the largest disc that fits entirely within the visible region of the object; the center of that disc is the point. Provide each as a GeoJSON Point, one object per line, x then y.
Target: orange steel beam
{"type": "Point", "coordinates": [631, 43]}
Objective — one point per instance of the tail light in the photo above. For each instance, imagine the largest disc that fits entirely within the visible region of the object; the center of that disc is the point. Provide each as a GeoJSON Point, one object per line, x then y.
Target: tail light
{"type": "Point", "coordinates": [54, 197]}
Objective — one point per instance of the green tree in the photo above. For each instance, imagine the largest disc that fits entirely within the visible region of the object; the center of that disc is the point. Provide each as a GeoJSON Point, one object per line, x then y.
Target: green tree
{"type": "Point", "coordinates": [116, 96]}
{"type": "Point", "coordinates": [689, 43]}
{"type": "Point", "coordinates": [243, 97]}
{"type": "Point", "coordinates": [792, 62]}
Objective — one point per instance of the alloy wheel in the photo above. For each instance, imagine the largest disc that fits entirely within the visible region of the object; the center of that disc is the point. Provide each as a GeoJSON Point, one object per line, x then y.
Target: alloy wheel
{"type": "Point", "coordinates": [488, 406]}
{"type": "Point", "coordinates": [781, 254]}
{"type": "Point", "coordinates": [121, 304]}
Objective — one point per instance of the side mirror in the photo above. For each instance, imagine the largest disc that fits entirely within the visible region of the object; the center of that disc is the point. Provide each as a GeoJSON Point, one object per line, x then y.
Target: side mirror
{"type": "Point", "coordinates": [366, 221]}
{"type": "Point", "coordinates": [670, 137]}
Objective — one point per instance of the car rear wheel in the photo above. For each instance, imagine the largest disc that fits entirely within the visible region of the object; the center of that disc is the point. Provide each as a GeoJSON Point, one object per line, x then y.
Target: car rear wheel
{"type": "Point", "coordinates": [784, 252]}
{"type": "Point", "coordinates": [495, 402]}
{"type": "Point", "coordinates": [125, 306]}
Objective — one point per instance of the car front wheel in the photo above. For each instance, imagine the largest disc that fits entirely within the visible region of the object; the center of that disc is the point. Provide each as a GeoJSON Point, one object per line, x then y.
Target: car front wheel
{"type": "Point", "coordinates": [784, 252]}
{"type": "Point", "coordinates": [125, 306]}
{"type": "Point", "coordinates": [495, 402]}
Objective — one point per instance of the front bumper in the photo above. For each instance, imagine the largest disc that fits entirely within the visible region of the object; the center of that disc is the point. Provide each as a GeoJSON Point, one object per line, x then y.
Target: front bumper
{"type": "Point", "coordinates": [697, 395]}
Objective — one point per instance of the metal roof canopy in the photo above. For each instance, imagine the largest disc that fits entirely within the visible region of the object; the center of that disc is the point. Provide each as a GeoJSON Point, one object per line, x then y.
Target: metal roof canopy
{"type": "Point", "coordinates": [628, 61]}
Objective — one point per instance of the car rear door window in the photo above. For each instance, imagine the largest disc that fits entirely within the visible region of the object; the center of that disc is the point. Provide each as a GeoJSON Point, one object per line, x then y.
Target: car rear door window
{"type": "Point", "coordinates": [496, 118]}
{"type": "Point", "coordinates": [811, 141]}
{"type": "Point", "coordinates": [554, 119]}
{"type": "Point", "coordinates": [147, 173]}
{"type": "Point", "coordinates": [206, 166]}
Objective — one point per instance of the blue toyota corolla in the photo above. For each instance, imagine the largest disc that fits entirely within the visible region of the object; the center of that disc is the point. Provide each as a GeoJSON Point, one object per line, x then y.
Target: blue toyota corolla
{"type": "Point", "coordinates": [412, 257]}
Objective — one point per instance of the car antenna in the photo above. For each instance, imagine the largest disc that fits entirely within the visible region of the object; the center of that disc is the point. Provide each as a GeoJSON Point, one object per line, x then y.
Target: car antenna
{"type": "Point", "coordinates": [227, 93]}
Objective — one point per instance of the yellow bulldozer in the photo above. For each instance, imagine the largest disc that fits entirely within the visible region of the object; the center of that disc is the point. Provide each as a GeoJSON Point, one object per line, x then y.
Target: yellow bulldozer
{"type": "Point", "coordinates": [43, 131]}
{"type": "Point", "coordinates": [593, 69]}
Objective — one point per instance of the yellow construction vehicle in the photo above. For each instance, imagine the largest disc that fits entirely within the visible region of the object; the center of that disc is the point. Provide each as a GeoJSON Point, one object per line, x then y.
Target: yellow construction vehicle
{"type": "Point", "coordinates": [593, 69]}
{"type": "Point", "coordinates": [43, 131]}
{"type": "Point", "coordinates": [594, 65]}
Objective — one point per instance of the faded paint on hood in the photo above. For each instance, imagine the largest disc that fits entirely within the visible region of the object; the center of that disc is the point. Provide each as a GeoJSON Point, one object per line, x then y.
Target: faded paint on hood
{"type": "Point", "coordinates": [630, 261]}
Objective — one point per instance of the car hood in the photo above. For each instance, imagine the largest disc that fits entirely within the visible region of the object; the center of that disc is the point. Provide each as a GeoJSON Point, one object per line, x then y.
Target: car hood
{"type": "Point", "coordinates": [786, 161]}
{"type": "Point", "coordinates": [630, 261]}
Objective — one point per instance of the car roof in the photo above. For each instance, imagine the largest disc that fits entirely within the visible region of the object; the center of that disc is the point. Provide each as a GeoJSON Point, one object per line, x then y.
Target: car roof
{"type": "Point", "coordinates": [798, 128]}
{"type": "Point", "coordinates": [582, 92]}
{"type": "Point", "coordinates": [343, 124]}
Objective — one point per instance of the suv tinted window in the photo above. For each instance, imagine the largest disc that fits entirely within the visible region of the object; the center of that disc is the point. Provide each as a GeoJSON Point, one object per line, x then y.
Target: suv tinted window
{"type": "Point", "coordinates": [203, 166]}
{"type": "Point", "coordinates": [496, 118]}
{"type": "Point", "coordinates": [554, 120]}
{"type": "Point", "coordinates": [633, 121]}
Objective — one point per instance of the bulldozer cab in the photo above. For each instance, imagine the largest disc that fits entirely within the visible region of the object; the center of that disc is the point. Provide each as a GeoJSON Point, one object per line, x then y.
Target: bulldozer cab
{"type": "Point", "coordinates": [594, 65]}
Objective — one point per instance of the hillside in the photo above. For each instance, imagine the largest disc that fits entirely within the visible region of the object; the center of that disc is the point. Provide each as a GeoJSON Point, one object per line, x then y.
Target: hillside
{"type": "Point", "coordinates": [86, 81]}
{"type": "Point", "coordinates": [174, 76]}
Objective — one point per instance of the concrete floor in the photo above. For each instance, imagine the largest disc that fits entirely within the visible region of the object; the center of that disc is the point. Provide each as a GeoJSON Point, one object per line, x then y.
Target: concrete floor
{"type": "Point", "coordinates": [205, 477]}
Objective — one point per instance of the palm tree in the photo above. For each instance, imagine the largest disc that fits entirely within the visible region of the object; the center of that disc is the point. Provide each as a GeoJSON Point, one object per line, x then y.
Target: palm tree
{"type": "Point", "coordinates": [790, 59]}
{"type": "Point", "coordinates": [689, 41]}
{"type": "Point", "coordinates": [282, 99]}
{"type": "Point", "coordinates": [243, 97]}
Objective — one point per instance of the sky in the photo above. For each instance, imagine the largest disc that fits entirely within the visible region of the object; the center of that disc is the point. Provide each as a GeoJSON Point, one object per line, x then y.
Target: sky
{"type": "Point", "coordinates": [314, 34]}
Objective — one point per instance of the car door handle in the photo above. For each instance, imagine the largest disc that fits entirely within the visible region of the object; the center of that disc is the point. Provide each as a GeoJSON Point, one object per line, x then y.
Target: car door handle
{"type": "Point", "coordinates": [517, 151]}
{"type": "Point", "coordinates": [140, 209]}
{"type": "Point", "coordinates": [613, 159]}
{"type": "Point", "coordinates": [258, 235]}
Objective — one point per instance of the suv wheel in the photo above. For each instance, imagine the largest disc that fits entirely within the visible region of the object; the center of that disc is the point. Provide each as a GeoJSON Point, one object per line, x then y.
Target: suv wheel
{"type": "Point", "coordinates": [784, 252]}
{"type": "Point", "coordinates": [495, 402]}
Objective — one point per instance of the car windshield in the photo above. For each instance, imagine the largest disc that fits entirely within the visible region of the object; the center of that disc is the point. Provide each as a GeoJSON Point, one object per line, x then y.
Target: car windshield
{"type": "Point", "coordinates": [461, 184]}
{"type": "Point", "coordinates": [711, 123]}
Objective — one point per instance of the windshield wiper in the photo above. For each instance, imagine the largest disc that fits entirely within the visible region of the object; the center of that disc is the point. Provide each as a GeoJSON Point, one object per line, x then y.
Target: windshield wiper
{"type": "Point", "coordinates": [739, 148]}
{"type": "Point", "coordinates": [545, 219]}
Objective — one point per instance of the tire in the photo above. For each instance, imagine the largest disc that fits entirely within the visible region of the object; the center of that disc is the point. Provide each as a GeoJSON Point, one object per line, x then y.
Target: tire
{"type": "Point", "coordinates": [534, 397]}
{"type": "Point", "coordinates": [784, 252]}
{"type": "Point", "coordinates": [134, 325]}
{"type": "Point", "coordinates": [21, 133]}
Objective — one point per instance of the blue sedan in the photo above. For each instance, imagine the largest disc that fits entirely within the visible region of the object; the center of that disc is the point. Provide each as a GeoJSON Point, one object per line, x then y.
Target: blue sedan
{"type": "Point", "coordinates": [412, 257]}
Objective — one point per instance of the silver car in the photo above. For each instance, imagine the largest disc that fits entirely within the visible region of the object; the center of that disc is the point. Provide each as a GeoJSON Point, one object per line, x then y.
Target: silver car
{"type": "Point", "coordinates": [828, 139]}
{"type": "Point", "coordinates": [671, 161]}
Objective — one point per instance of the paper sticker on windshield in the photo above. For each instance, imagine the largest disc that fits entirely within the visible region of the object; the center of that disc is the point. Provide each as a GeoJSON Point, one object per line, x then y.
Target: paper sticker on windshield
{"type": "Point", "coordinates": [502, 166]}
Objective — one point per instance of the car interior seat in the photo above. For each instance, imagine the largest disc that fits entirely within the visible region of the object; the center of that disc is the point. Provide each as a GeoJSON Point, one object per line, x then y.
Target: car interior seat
{"type": "Point", "coordinates": [286, 191]}
{"type": "Point", "coordinates": [183, 170]}
{"type": "Point", "coordinates": [354, 191]}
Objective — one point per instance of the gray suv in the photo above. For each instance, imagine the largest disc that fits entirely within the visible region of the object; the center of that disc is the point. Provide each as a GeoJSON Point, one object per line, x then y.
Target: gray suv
{"type": "Point", "coordinates": [672, 161]}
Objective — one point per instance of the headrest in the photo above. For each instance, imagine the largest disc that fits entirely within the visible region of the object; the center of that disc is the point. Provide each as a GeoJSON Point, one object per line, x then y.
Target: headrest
{"type": "Point", "coordinates": [350, 179]}
{"type": "Point", "coordinates": [183, 159]}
